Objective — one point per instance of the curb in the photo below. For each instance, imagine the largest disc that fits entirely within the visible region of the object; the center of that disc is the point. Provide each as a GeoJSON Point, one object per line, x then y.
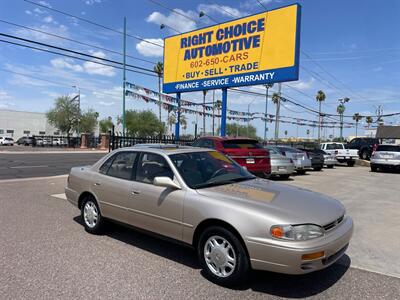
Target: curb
{"type": "Point", "coordinates": [362, 163]}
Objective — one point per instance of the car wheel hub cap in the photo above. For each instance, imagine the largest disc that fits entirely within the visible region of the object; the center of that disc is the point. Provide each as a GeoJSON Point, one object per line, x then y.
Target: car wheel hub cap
{"type": "Point", "coordinates": [90, 214]}
{"type": "Point", "coordinates": [220, 256]}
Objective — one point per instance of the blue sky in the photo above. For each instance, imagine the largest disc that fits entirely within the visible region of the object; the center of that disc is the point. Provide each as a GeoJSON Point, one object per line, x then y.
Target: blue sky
{"type": "Point", "coordinates": [353, 45]}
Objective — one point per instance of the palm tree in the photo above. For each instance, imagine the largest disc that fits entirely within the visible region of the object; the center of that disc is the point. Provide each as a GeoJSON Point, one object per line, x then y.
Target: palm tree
{"type": "Point", "coordinates": [267, 86]}
{"type": "Point", "coordinates": [320, 97]}
{"type": "Point", "coordinates": [357, 118]}
{"type": "Point", "coordinates": [183, 122]}
{"type": "Point", "coordinates": [171, 121]}
{"type": "Point", "coordinates": [276, 100]}
{"type": "Point", "coordinates": [369, 121]}
{"type": "Point", "coordinates": [159, 69]}
{"type": "Point", "coordinates": [286, 132]}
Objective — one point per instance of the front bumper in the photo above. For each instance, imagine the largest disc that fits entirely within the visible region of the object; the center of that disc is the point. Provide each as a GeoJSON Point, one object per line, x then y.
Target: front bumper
{"type": "Point", "coordinates": [72, 196]}
{"type": "Point", "coordinates": [286, 256]}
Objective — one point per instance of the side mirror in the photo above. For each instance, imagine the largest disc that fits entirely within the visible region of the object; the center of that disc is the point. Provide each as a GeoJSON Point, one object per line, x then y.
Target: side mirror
{"type": "Point", "coordinates": [166, 182]}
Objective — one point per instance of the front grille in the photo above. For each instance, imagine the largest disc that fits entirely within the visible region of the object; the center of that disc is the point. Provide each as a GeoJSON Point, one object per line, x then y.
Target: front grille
{"type": "Point", "coordinates": [333, 224]}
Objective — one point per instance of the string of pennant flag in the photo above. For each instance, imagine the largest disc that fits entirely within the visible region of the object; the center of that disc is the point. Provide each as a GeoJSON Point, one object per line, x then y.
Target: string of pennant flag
{"type": "Point", "coordinates": [170, 104]}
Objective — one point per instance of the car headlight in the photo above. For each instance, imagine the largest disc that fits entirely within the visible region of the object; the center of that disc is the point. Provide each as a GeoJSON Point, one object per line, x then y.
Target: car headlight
{"type": "Point", "coordinates": [302, 232]}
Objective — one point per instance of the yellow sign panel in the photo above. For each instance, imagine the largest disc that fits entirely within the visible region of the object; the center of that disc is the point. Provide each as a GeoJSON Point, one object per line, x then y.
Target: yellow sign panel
{"type": "Point", "coordinates": [257, 49]}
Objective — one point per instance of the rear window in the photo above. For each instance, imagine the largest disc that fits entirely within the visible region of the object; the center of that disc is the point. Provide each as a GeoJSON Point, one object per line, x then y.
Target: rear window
{"type": "Point", "coordinates": [289, 149]}
{"type": "Point", "coordinates": [334, 146]}
{"type": "Point", "coordinates": [390, 148]}
{"type": "Point", "coordinates": [242, 144]}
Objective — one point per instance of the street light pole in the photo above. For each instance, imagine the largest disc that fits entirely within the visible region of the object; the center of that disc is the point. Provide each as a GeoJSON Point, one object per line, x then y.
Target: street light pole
{"type": "Point", "coordinates": [124, 81]}
{"type": "Point", "coordinates": [248, 115]}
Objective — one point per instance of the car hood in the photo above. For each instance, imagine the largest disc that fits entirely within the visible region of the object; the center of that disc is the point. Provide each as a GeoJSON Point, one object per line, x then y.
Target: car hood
{"type": "Point", "coordinates": [285, 203]}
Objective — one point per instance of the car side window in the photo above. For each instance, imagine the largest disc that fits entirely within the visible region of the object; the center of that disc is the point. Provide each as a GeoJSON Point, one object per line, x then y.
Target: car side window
{"type": "Point", "coordinates": [122, 165]}
{"type": "Point", "coordinates": [105, 166]}
{"type": "Point", "coordinates": [152, 165]}
{"type": "Point", "coordinates": [208, 144]}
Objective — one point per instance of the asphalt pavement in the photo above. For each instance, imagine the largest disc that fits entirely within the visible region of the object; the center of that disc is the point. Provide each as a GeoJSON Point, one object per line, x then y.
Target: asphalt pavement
{"type": "Point", "coordinates": [46, 254]}
{"type": "Point", "coordinates": [40, 164]}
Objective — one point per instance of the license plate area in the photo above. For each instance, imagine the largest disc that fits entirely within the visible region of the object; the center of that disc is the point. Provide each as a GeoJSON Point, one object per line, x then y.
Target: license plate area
{"type": "Point", "coordinates": [250, 161]}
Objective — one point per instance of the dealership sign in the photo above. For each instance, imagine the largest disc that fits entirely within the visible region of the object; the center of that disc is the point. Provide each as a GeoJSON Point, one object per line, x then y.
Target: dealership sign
{"type": "Point", "coordinates": [258, 49]}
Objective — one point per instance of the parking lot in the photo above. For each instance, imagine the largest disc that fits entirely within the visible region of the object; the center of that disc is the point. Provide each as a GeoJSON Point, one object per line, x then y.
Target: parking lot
{"type": "Point", "coordinates": [47, 254]}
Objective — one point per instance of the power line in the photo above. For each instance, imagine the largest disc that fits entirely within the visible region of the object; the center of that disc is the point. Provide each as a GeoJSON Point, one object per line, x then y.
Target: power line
{"type": "Point", "coordinates": [75, 52]}
{"type": "Point", "coordinates": [74, 57]}
{"type": "Point", "coordinates": [259, 2]}
{"type": "Point", "coordinates": [91, 22]}
{"type": "Point", "coordinates": [75, 41]}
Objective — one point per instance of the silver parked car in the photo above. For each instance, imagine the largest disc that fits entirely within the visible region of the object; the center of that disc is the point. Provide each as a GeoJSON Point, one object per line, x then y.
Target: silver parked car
{"type": "Point", "coordinates": [203, 198]}
{"type": "Point", "coordinates": [329, 159]}
{"type": "Point", "coordinates": [300, 158]}
{"type": "Point", "coordinates": [385, 157]}
{"type": "Point", "coordinates": [281, 165]}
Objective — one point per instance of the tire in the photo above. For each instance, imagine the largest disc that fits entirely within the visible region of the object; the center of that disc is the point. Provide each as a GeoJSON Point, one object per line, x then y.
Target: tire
{"type": "Point", "coordinates": [374, 168]}
{"type": "Point", "coordinates": [301, 172]}
{"type": "Point", "coordinates": [364, 155]}
{"type": "Point", "coordinates": [351, 163]}
{"type": "Point", "coordinates": [284, 176]}
{"type": "Point", "coordinates": [330, 166]}
{"type": "Point", "coordinates": [231, 273]}
{"type": "Point", "coordinates": [318, 169]}
{"type": "Point", "coordinates": [91, 216]}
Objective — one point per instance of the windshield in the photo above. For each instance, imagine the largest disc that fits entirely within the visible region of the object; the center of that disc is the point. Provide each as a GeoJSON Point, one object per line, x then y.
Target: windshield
{"type": "Point", "coordinates": [208, 168]}
{"type": "Point", "coordinates": [334, 146]}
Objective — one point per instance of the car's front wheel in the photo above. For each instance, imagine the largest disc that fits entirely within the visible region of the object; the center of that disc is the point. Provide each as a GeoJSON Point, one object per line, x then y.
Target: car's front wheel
{"type": "Point", "coordinates": [91, 216]}
{"type": "Point", "coordinates": [222, 256]}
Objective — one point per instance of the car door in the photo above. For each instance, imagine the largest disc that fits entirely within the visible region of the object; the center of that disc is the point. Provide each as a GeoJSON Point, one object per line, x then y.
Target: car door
{"type": "Point", "coordinates": [154, 208]}
{"type": "Point", "coordinates": [113, 185]}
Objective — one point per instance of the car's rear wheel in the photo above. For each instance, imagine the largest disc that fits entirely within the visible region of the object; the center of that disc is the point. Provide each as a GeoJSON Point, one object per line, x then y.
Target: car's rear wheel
{"type": "Point", "coordinates": [374, 168]}
{"type": "Point", "coordinates": [91, 216]}
{"type": "Point", "coordinates": [364, 155]}
{"type": "Point", "coordinates": [351, 163]}
{"type": "Point", "coordinates": [318, 169]}
{"type": "Point", "coordinates": [222, 256]}
{"type": "Point", "coordinates": [330, 166]}
{"type": "Point", "coordinates": [301, 172]}
{"type": "Point", "coordinates": [284, 176]}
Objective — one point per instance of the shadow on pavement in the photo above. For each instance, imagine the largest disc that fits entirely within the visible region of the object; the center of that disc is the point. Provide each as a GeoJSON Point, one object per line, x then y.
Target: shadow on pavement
{"type": "Point", "coordinates": [282, 285]}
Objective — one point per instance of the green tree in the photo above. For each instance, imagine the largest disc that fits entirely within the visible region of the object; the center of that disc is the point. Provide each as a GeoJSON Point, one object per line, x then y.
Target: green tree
{"type": "Point", "coordinates": [171, 121]}
{"type": "Point", "coordinates": [235, 129]}
{"type": "Point", "coordinates": [357, 118]}
{"type": "Point", "coordinates": [105, 125]}
{"type": "Point", "coordinates": [88, 121]}
{"type": "Point", "coordinates": [159, 69]}
{"type": "Point", "coordinates": [286, 133]}
{"type": "Point", "coordinates": [142, 123]}
{"type": "Point", "coordinates": [65, 115]}
{"type": "Point", "coordinates": [320, 97]}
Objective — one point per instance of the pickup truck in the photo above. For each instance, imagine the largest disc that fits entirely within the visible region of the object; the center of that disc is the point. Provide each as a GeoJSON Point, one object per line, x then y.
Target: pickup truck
{"type": "Point", "coordinates": [342, 154]}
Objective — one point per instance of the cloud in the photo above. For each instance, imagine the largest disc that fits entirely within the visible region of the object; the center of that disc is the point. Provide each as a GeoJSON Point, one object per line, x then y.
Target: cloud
{"type": "Point", "coordinates": [150, 49]}
{"type": "Point", "coordinates": [3, 97]}
{"type": "Point", "coordinates": [66, 63]}
{"type": "Point", "coordinates": [92, 2]}
{"type": "Point", "coordinates": [39, 11]}
{"type": "Point", "coordinates": [35, 35]}
{"type": "Point", "coordinates": [48, 19]}
{"type": "Point", "coordinates": [221, 9]}
{"type": "Point", "coordinates": [45, 3]}
{"type": "Point", "coordinates": [377, 69]}
{"type": "Point", "coordinates": [28, 12]}
{"type": "Point", "coordinates": [88, 67]}
{"type": "Point", "coordinates": [103, 103]}
{"type": "Point", "coordinates": [302, 84]}
{"type": "Point", "coordinates": [176, 21]}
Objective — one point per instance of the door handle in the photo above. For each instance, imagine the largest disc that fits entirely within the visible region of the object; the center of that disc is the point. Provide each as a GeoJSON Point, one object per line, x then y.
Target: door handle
{"type": "Point", "coordinates": [96, 183]}
{"type": "Point", "coordinates": [135, 192]}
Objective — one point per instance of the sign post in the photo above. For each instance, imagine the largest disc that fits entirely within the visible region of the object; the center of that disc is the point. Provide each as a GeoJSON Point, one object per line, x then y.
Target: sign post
{"type": "Point", "coordinates": [253, 50]}
{"type": "Point", "coordinates": [178, 118]}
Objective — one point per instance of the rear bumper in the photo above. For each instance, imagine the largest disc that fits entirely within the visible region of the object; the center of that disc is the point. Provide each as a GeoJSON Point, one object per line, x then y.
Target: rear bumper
{"type": "Point", "coordinates": [282, 169]}
{"type": "Point", "coordinates": [395, 163]}
{"type": "Point", "coordinates": [286, 257]}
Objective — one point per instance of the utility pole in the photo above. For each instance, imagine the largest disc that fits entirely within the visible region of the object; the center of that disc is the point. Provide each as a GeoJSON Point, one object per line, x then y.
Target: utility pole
{"type": "Point", "coordinates": [204, 111]}
{"type": "Point", "coordinates": [278, 107]}
{"type": "Point", "coordinates": [124, 82]}
{"type": "Point", "coordinates": [340, 109]}
{"type": "Point", "coordinates": [267, 87]}
{"type": "Point", "coordinates": [213, 113]}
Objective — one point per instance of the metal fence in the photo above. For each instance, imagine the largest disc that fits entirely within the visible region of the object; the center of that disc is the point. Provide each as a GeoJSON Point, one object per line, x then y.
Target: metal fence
{"type": "Point", "coordinates": [120, 141]}
{"type": "Point", "coordinates": [303, 145]}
